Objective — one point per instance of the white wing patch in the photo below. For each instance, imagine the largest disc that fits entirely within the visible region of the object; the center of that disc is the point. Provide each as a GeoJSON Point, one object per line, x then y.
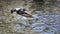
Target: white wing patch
{"type": "Point", "coordinates": [17, 8]}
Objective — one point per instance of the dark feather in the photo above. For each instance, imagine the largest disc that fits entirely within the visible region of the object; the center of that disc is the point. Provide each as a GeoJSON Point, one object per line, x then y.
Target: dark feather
{"type": "Point", "coordinates": [21, 12]}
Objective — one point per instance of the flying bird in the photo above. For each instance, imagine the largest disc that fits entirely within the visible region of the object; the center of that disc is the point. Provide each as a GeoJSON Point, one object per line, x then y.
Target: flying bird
{"type": "Point", "coordinates": [21, 12]}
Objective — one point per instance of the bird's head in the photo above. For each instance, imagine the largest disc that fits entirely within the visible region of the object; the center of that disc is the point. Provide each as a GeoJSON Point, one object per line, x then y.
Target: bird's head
{"type": "Point", "coordinates": [13, 10]}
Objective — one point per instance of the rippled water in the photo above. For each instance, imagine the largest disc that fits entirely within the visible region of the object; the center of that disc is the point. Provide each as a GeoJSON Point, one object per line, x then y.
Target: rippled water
{"type": "Point", "coordinates": [43, 23]}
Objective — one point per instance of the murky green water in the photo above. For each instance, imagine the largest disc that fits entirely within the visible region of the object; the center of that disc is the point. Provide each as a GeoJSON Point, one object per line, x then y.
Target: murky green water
{"type": "Point", "coordinates": [46, 18]}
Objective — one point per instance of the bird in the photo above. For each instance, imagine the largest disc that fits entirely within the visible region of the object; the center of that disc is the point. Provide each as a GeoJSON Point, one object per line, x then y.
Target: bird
{"type": "Point", "coordinates": [21, 11]}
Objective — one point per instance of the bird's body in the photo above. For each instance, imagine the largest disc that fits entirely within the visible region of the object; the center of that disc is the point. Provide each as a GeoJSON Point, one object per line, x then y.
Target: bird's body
{"type": "Point", "coordinates": [21, 12]}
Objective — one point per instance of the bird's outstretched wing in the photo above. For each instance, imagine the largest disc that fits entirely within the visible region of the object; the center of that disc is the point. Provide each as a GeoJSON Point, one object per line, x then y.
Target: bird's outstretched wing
{"type": "Point", "coordinates": [27, 14]}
